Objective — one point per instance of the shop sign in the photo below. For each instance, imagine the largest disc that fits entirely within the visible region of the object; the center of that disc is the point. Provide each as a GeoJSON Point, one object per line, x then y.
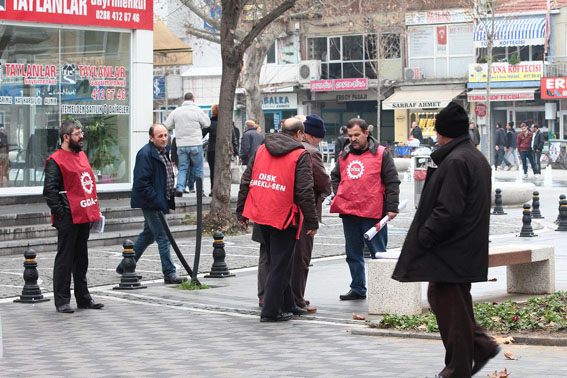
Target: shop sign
{"type": "Point", "coordinates": [416, 105]}
{"type": "Point", "coordinates": [524, 71]}
{"type": "Point", "coordinates": [512, 96]}
{"type": "Point", "coordinates": [480, 110]}
{"type": "Point", "coordinates": [339, 85]}
{"type": "Point", "coordinates": [127, 14]}
{"type": "Point", "coordinates": [159, 87]}
{"type": "Point", "coordinates": [554, 87]}
{"type": "Point", "coordinates": [352, 97]}
{"type": "Point", "coordinates": [438, 17]}
{"type": "Point", "coordinates": [279, 101]}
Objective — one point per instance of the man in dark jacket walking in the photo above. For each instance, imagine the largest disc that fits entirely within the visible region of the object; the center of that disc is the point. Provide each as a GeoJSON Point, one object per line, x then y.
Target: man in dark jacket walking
{"type": "Point", "coordinates": [500, 145]}
{"type": "Point", "coordinates": [276, 192]}
{"type": "Point", "coordinates": [447, 243]}
{"type": "Point", "coordinates": [153, 191]}
{"type": "Point", "coordinates": [251, 140]}
{"type": "Point", "coordinates": [366, 186]}
{"type": "Point", "coordinates": [537, 147]}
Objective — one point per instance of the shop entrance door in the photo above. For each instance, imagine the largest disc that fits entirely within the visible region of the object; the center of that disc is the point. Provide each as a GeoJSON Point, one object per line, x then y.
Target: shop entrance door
{"type": "Point", "coordinates": [562, 134]}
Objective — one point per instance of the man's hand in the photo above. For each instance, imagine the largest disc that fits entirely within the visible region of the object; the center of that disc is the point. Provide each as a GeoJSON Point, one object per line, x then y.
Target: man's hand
{"type": "Point", "coordinates": [311, 232]}
{"type": "Point", "coordinates": [391, 215]}
{"type": "Point", "coordinates": [244, 223]}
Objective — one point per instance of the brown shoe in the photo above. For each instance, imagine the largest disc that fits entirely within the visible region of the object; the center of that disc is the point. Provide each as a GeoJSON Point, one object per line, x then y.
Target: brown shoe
{"type": "Point", "coordinates": [311, 309]}
{"type": "Point", "coordinates": [260, 302]}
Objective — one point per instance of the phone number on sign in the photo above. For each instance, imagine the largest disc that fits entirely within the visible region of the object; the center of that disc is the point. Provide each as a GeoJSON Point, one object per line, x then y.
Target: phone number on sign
{"type": "Point", "coordinates": [117, 16]}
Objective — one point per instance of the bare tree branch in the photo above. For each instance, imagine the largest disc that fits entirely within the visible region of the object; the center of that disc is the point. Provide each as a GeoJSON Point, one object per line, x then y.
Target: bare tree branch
{"type": "Point", "coordinates": [198, 11]}
{"type": "Point", "coordinates": [209, 36]}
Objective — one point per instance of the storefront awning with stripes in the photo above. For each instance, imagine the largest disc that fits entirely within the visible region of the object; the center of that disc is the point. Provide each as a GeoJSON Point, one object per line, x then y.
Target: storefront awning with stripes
{"type": "Point", "coordinates": [511, 31]}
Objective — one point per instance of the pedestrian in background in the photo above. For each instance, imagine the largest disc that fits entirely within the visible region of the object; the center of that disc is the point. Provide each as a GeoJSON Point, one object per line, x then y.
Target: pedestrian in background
{"type": "Point", "coordinates": [70, 192]}
{"type": "Point", "coordinates": [275, 190]}
{"type": "Point", "coordinates": [537, 147]}
{"type": "Point", "coordinates": [416, 133]}
{"type": "Point", "coordinates": [188, 120]}
{"type": "Point", "coordinates": [251, 140]}
{"type": "Point", "coordinates": [524, 142]}
{"type": "Point", "coordinates": [447, 243]}
{"type": "Point", "coordinates": [153, 191]}
{"type": "Point", "coordinates": [499, 146]}
{"type": "Point", "coordinates": [512, 145]}
{"type": "Point", "coordinates": [366, 186]}
{"type": "Point", "coordinates": [341, 141]}
{"type": "Point", "coordinates": [474, 134]}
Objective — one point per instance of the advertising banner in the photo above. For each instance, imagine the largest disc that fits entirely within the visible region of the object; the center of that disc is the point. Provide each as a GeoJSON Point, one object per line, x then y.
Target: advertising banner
{"type": "Point", "coordinates": [524, 71]}
{"type": "Point", "coordinates": [127, 14]}
{"type": "Point", "coordinates": [554, 87]}
{"type": "Point", "coordinates": [339, 85]}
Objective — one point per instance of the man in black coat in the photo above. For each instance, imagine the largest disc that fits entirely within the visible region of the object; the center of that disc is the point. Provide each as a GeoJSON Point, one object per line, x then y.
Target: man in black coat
{"type": "Point", "coordinates": [447, 243]}
{"type": "Point", "coordinates": [537, 147]}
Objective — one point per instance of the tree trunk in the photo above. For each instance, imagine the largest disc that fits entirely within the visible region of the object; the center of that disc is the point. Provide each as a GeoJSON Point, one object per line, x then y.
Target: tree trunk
{"type": "Point", "coordinates": [251, 80]}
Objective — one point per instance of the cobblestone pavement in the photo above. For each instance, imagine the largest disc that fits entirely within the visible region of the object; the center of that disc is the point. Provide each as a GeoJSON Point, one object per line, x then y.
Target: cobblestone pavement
{"type": "Point", "coordinates": [135, 338]}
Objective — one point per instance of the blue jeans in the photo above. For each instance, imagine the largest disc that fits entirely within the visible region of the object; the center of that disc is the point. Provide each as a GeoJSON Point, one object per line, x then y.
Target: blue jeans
{"type": "Point", "coordinates": [191, 179]}
{"type": "Point", "coordinates": [153, 231]}
{"type": "Point", "coordinates": [354, 229]}
{"type": "Point", "coordinates": [193, 154]}
{"type": "Point", "coordinates": [527, 155]}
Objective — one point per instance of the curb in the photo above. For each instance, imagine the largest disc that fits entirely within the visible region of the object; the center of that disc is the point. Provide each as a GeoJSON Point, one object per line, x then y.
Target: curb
{"type": "Point", "coordinates": [521, 339]}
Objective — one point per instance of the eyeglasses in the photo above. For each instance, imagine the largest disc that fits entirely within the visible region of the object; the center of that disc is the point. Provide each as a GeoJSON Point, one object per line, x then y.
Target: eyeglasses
{"type": "Point", "coordinates": [80, 133]}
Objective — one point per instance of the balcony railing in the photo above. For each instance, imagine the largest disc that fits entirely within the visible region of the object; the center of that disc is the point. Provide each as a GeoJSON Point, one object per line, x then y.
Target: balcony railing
{"type": "Point", "coordinates": [555, 66]}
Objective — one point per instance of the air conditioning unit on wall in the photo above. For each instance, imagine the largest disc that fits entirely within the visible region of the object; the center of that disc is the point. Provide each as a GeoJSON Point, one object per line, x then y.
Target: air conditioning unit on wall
{"type": "Point", "coordinates": [308, 70]}
{"type": "Point", "coordinates": [412, 73]}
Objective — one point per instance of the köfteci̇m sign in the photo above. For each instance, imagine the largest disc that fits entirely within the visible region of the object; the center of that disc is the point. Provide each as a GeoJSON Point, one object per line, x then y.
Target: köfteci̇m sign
{"type": "Point", "coordinates": [127, 14]}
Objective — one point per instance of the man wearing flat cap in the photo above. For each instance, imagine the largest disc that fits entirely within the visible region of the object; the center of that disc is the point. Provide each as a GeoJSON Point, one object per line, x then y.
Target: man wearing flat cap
{"type": "Point", "coordinates": [447, 243]}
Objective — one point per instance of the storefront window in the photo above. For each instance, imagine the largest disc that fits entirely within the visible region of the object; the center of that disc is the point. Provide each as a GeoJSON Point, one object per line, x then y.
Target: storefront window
{"type": "Point", "coordinates": [48, 75]}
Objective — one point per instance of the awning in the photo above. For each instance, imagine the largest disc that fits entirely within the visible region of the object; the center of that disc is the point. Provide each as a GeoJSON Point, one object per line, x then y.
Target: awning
{"type": "Point", "coordinates": [168, 49]}
{"type": "Point", "coordinates": [430, 99]}
{"type": "Point", "coordinates": [516, 94]}
{"type": "Point", "coordinates": [514, 31]}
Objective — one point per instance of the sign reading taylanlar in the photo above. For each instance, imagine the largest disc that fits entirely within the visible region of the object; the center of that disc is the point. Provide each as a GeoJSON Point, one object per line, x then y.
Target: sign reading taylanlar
{"type": "Point", "coordinates": [128, 14]}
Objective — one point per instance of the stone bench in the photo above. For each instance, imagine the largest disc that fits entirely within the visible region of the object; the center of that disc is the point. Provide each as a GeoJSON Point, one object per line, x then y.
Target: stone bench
{"type": "Point", "coordinates": [530, 270]}
{"type": "Point", "coordinates": [514, 194]}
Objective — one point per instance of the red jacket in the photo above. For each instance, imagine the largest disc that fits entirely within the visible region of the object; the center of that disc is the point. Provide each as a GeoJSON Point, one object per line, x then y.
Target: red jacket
{"type": "Point", "coordinates": [524, 141]}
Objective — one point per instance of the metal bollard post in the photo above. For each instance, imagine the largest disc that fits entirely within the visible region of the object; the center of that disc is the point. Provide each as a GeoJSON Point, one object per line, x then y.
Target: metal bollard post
{"type": "Point", "coordinates": [31, 293]}
{"type": "Point", "coordinates": [562, 216]}
{"type": "Point", "coordinates": [527, 230]}
{"type": "Point", "coordinates": [561, 198]}
{"type": "Point", "coordinates": [536, 214]}
{"type": "Point", "coordinates": [498, 210]}
{"type": "Point", "coordinates": [129, 280]}
{"type": "Point", "coordinates": [219, 268]}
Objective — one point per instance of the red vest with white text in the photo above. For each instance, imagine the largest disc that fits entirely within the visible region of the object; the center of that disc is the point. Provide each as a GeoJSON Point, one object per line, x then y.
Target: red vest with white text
{"type": "Point", "coordinates": [270, 197]}
{"type": "Point", "coordinates": [79, 183]}
{"type": "Point", "coordinates": [360, 191]}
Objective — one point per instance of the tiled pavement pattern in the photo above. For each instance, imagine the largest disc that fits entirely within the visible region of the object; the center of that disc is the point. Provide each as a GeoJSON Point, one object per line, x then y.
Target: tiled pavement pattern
{"type": "Point", "coordinates": [155, 340]}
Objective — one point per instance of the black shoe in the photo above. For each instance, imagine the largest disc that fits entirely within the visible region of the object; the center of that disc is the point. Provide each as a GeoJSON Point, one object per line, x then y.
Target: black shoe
{"type": "Point", "coordinates": [478, 365]}
{"type": "Point", "coordinates": [281, 317]}
{"type": "Point", "coordinates": [65, 308]}
{"type": "Point", "coordinates": [351, 295]}
{"type": "Point", "coordinates": [178, 193]}
{"type": "Point", "coordinates": [92, 305]}
{"type": "Point", "coordinates": [174, 279]}
{"type": "Point", "coordinates": [299, 311]}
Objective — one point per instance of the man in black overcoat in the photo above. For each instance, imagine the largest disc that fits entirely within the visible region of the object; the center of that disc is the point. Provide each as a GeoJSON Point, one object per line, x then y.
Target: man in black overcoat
{"type": "Point", "coordinates": [447, 243]}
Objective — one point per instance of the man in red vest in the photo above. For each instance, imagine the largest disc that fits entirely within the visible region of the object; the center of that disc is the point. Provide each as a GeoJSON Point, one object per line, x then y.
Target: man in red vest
{"type": "Point", "coordinates": [70, 192]}
{"type": "Point", "coordinates": [276, 192]}
{"type": "Point", "coordinates": [366, 186]}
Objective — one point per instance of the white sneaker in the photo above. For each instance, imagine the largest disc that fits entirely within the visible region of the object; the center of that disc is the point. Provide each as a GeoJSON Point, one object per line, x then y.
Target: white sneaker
{"type": "Point", "coordinates": [526, 175]}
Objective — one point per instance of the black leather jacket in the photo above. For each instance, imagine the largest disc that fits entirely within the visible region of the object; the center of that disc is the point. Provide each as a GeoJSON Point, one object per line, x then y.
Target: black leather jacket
{"type": "Point", "coordinates": [52, 186]}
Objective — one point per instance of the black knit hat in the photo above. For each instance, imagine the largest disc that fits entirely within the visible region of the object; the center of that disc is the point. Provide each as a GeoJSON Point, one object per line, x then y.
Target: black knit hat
{"type": "Point", "coordinates": [452, 121]}
{"type": "Point", "coordinates": [315, 126]}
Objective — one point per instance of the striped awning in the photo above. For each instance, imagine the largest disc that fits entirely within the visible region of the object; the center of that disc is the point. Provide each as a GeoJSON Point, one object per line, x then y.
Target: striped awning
{"type": "Point", "coordinates": [511, 31]}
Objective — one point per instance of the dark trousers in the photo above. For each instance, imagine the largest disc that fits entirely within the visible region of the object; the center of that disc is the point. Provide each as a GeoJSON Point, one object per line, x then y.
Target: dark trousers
{"type": "Point", "coordinates": [300, 267]}
{"type": "Point", "coordinates": [527, 155]}
{"type": "Point", "coordinates": [277, 292]}
{"type": "Point", "coordinates": [71, 259]}
{"type": "Point", "coordinates": [263, 268]}
{"type": "Point", "coordinates": [500, 158]}
{"type": "Point", "coordinates": [537, 162]}
{"type": "Point", "coordinates": [211, 161]}
{"type": "Point", "coordinates": [464, 340]}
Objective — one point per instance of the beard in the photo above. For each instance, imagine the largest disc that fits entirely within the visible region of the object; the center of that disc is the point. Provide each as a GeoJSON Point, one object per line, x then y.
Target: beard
{"type": "Point", "coordinates": [75, 146]}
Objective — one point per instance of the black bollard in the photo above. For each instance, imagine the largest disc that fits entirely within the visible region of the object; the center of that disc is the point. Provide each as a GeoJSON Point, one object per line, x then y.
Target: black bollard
{"type": "Point", "coordinates": [527, 230]}
{"type": "Point", "coordinates": [536, 214]}
{"type": "Point", "coordinates": [129, 280]}
{"type": "Point", "coordinates": [562, 216]}
{"type": "Point", "coordinates": [219, 268]}
{"type": "Point", "coordinates": [561, 198]}
{"type": "Point", "coordinates": [498, 210]}
{"type": "Point", "coordinates": [31, 293]}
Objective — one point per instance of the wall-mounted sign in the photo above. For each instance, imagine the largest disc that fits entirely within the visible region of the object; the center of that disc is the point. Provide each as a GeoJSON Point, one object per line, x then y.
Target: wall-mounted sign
{"type": "Point", "coordinates": [339, 85]}
{"type": "Point", "coordinates": [480, 110]}
{"type": "Point", "coordinates": [128, 14]}
{"type": "Point", "coordinates": [438, 17]}
{"type": "Point", "coordinates": [159, 87]}
{"type": "Point", "coordinates": [554, 87]}
{"type": "Point", "coordinates": [502, 95]}
{"type": "Point", "coordinates": [524, 71]}
{"type": "Point", "coordinates": [279, 101]}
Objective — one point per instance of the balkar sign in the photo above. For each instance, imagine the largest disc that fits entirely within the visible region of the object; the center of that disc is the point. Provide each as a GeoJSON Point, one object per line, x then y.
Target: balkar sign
{"type": "Point", "coordinates": [554, 87]}
{"type": "Point", "coordinates": [127, 14]}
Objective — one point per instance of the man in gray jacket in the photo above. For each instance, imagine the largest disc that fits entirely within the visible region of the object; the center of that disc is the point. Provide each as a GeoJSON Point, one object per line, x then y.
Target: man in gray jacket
{"type": "Point", "coordinates": [188, 120]}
